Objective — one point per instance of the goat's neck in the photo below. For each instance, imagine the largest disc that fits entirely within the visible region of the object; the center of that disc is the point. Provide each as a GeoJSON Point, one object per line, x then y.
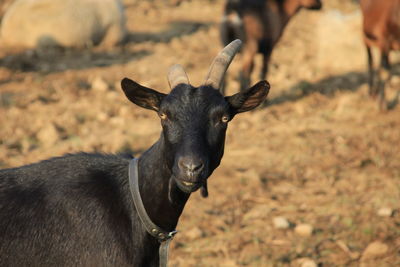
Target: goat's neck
{"type": "Point", "coordinates": [164, 202]}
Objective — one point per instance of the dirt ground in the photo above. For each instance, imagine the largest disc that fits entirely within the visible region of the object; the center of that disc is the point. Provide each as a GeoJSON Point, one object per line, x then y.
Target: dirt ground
{"type": "Point", "coordinates": [310, 178]}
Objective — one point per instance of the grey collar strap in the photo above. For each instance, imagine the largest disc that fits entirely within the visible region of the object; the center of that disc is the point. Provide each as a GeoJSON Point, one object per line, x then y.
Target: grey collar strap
{"type": "Point", "coordinates": [164, 237]}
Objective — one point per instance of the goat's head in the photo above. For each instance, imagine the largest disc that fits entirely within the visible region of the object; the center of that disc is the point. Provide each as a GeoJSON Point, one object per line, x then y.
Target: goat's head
{"type": "Point", "coordinates": [311, 4]}
{"type": "Point", "coordinates": [194, 119]}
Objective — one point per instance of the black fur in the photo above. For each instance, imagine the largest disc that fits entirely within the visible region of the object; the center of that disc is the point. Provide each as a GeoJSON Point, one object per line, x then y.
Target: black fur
{"type": "Point", "coordinates": [77, 210]}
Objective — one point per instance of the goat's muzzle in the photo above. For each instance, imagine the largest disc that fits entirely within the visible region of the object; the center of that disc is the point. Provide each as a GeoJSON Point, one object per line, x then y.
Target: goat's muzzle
{"type": "Point", "coordinates": [190, 174]}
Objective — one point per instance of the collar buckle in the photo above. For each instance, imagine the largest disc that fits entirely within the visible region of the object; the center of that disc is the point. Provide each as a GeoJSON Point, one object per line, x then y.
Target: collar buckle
{"type": "Point", "coordinates": [172, 234]}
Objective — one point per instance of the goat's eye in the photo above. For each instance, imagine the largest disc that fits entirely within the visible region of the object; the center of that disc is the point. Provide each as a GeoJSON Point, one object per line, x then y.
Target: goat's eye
{"type": "Point", "coordinates": [162, 115]}
{"type": "Point", "coordinates": [225, 119]}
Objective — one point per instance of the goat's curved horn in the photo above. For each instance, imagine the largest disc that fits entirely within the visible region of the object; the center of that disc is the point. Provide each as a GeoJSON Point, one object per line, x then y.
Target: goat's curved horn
{"type": "Point", "coordinates": [177, 75]}
{"type": "Point", "coordinates": [221, 63]}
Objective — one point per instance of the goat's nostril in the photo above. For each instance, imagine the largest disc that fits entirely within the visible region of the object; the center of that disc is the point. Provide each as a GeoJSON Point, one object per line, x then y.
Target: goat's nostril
{"type": "Point", "coordinates": [191, 166]}
{"type": "Point", "coordinates": [196, 168]}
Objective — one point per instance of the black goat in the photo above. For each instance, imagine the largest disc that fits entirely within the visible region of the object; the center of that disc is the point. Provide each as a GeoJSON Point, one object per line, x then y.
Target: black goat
{"type": "Point", "coordinates": [77, 210]}
{"type": "Point", "coordinates": [260, 23]}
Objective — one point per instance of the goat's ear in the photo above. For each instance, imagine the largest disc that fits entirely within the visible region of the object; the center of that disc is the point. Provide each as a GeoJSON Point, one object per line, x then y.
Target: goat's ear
{"type": "Point", "coordinates": [249, 98]}
{"type": "Point", "coordinates": [142, 96]}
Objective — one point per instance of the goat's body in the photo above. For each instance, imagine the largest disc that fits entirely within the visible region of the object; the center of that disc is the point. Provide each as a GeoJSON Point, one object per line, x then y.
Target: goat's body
{"type": "Point", "coordinates": [381, 24]}
{"type": "Point", "coordinates": [78, 210]}
{"type": "Point", "coordinates": [260, 20]}
{"type": "Point", "coordinates": [381, 28]}
{"type": "Point", "coordinates": [260, 23]}
{"type": "Point", "coordinates": [71, 211]}
{"type": "Point", "coordinates": [66, 23]}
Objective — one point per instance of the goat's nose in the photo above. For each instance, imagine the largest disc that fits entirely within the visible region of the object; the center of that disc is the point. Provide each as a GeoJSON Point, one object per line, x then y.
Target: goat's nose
{"type": "Point", "coordinates": [191, 166]}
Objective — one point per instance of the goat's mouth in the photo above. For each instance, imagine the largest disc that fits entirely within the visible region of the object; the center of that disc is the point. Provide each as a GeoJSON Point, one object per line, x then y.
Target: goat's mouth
{"type": "Point", "coordinates": [189, 181]}
{"type": "Point", "coordinates": [187, 186]}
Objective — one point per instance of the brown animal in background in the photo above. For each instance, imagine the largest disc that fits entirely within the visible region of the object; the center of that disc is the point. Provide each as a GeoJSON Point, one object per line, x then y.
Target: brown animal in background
{"type": "Point", "coordinates": [381, 28]}
{"type": "Point", "coordinates": [260, 24]}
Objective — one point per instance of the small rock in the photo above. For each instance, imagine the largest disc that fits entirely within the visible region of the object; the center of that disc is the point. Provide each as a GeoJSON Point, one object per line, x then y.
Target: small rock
{"type": "Point", "coordinates": [124, 111]}
{"type": "Point", "coordinates": [395, 80]}
{"type": "Point", "coordinates": [48, 135]}
{"type": "Point", "coordinates": [305, 262]}
{"type": "Point", "coordinates": [229, 263]}
{"type": "Point", "coordinates": [303, 207]}
{"type": "Point", "coordinates": [281, 223]}
{"type": "Point", "coordinates": [374, 250]}
{"type": "Point", "coordinates": [117, 86]}
{"type": "Point", "coordinates": [385, 212]}
{"type": "Point", "coordinates": [244, 125]}
{"type": "Point", "coordinates": [194, 233]}
{"type": "Point", "coordinates": [112, 95]}
{"type": "Point", "coordinates": [102, 116]}
{"type": "Point", "coordinates": [304, 229]}
{"type": "Point", "coordinates": [117, 121]}
{"type": "Point", "coordinates": [257, 212]}
{"type": "Point", "coordinates": [252, 175]}
{"type": "Point", "coordinates": [98, 83]}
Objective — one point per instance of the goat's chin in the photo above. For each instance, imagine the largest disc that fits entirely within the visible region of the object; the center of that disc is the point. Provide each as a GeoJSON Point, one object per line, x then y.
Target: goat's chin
{"type": "Point", "coordinates": [187, 187]}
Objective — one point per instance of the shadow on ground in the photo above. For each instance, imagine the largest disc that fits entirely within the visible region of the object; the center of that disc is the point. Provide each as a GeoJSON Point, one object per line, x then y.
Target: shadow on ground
{"type": "Point", "coordinates": [175, 29]}
{"type": "Point", "coordinates": [56, 59]}
{"type": "Point", "coordinates": [350, 81]}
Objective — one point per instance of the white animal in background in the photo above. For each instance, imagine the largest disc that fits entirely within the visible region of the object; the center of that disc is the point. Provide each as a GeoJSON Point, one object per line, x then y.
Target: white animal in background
{"type": "Point", "coordinates": [67, 23]}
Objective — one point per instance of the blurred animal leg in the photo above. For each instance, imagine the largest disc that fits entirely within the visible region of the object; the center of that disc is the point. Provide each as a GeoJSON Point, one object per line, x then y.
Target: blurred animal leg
{"type": "Point", "coordinates": [249, 53]}
{"type": "Point", "coordinates": [372, 89]}
{"type": "Point", "coordinates": [383, 79]}
{"type": "Point", "coordinates": [264, 69]}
